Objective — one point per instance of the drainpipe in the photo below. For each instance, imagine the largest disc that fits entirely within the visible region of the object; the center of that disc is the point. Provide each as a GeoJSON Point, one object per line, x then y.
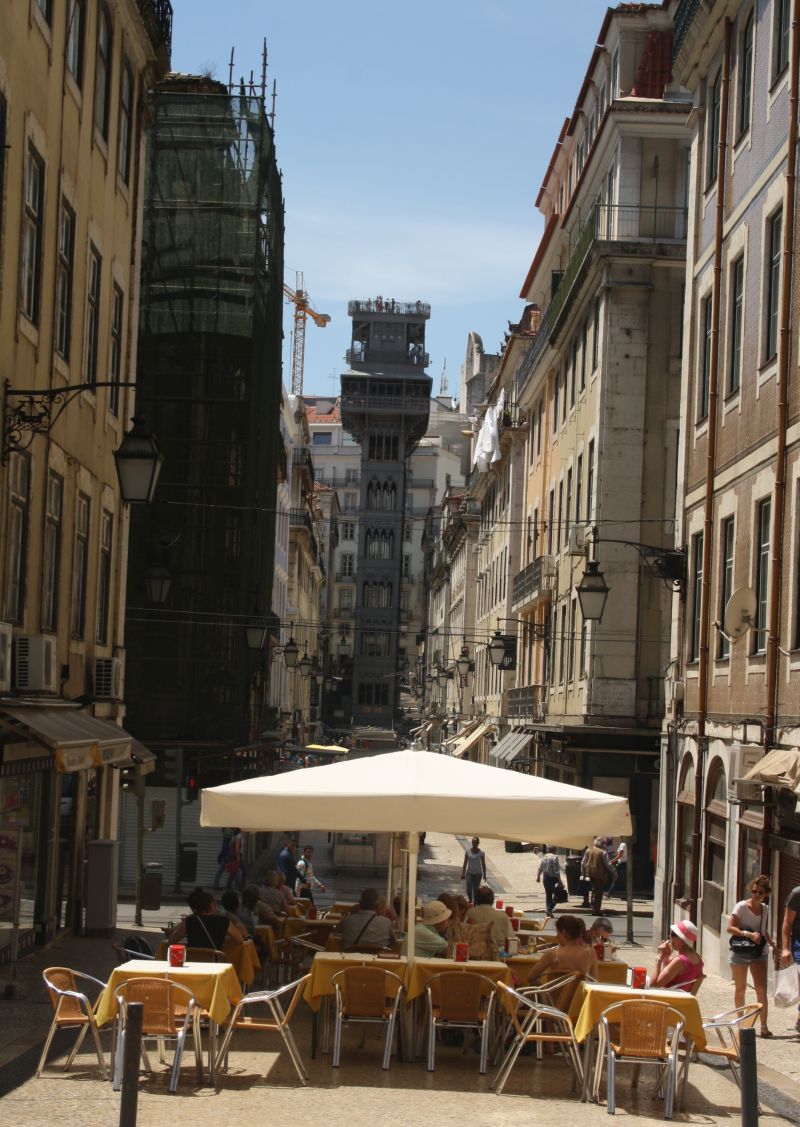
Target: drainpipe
{"type": "Point", "coordinates": [711, 465]}
{"type": "Point", "coordinates": [779, 492]}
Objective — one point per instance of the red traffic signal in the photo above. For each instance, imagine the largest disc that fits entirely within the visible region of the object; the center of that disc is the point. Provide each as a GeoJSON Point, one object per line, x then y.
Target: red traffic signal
{"type": "Point", "coordinates": [191, 788]}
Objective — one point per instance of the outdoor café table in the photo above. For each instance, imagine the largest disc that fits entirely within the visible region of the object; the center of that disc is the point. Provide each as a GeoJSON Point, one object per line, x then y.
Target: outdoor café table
{"type": "Point", "coordinates": [591, 998]}
{"type": "Point", "coordinates": [424, 969]}
{"type": "Point", "coordinates": [320, 988]}
{"type": "Point", "coordinates": [214, 985]}
{"type": "Point", "coordinates": [244, 959]}
{"type": "Point", "coordinates": [608, 970]}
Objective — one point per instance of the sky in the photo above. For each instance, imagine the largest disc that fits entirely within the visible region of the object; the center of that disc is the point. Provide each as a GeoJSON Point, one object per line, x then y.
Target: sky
{"type": "Point", "coordinates": [413, 139]}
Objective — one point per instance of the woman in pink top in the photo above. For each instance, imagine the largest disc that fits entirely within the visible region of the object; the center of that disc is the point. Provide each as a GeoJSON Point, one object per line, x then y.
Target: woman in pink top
{"type": "Point", "coordinates": [678, 965]}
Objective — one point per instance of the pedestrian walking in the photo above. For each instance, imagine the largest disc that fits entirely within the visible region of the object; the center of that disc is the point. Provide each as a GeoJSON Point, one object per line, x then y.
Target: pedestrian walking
{"type": "Point", "coordinates": [550, 875]}
{"type": "Point", "coordinates": [596, 867]}
{"type": "Point", "coordinates": [790, 935]}
{"type": "Point", "coordinates": [223, 856]}
{"type": "Point", "coordinates": [620, 863]}
{"type": "Point", "coordinates": [235, 864]}
{"type": "Point", "coordinates": [306, 881]}
{"type": "Point", "coordinates": [749, 943]}
{"type": "Point", "coordinates": [287, 863]}
{"type": "Point", "coordinates": [474, 868]}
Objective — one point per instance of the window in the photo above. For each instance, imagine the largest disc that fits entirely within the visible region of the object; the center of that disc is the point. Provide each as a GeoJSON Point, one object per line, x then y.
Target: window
{"type": "Point", "coordinates": [762, 574]}
{"type": "Point", "coordinates": [782, 33]}
{"type": "Point", "coordinates": [774, 229]}
{"type": "Point", "coordinates": [614, 92]}
{"type": "Point", "coordinates": [746, 74]}
{"type": "Point", "coordinates": [31, 253]}
{"type": "Point", "coordinates": [590, 482]}
{"type": "Point", "coordinates": [346, 599]}
{"type": "Point", "coordinates": [322, 438]}
{"type": "Point", "coordinates": [92, 316]}
{"type": "Point", "coordinates": [573, 625]}
{"type": "Point", "coordinates": [102, 89]}
{"type": "Point", "coordinates": [535, 533]}
{"type": "Point", "coordinates": [351, 477]}
{"type": "Point", "coordinates": [104, 576]}
{"type": "Point", "coordinates": [568, 506]}
{"type": "Point", "coordinates": [550, 516]}
{"type": "Point", "coordinates": [532, 439]}
{"type": "Point", "coordinates": [350, 503]}
{"type": "Point", "coordinates": [725, 580]}
{"type": "Point", "coordinates": [80, 566]}
{"type": "Point", "coordinates": [19, 470]}
{"type": "Point", "coordinates": [714, 105]}
{"type": "Point", "coordinates": [406, 567]}
{"type": "Point", "coordinates": [737, 325]}
{"type": "Point", "coordinates": [601, 102]}
{"type": "Point", "coordinates": [703, 390]}
{"type": "Point", "coordinates": [51, 563]}
{"type": "Point", "coordinates": [562, 652]}
{"type": "Point", "coordinates": [348, 531]}
{"type": "Point", "coordinates": [125, 121]}
{"type": "Point", "coordinates": [596, 336]}
{"type": "Point", "coordinates": [556, 392]}
{"type": "Point", "coordinates": [685, 827]}
{"type": "Point", "coordinates": [697, 586]}
{"type": "Point", "coordinates": [117, 305]}
{"type": "Point", "coordinates": [74, 56]}
{"type": "Point", "coordinates": [347, 565]}
{"type": "Point", "coordinates": [716, 827]}
{"type": "Point", "coordinates": [573, 365]}
{"type": "Point", "coordinates": [45, 7]}
{"type": "Point", "coordinates": [584, 345]}
{"type": "Point", "coordinates": [540, 429]}
{"type": "Point", "coordinates": [578, 488]}
{"type": "Point", "coordinates": [564, 397]}
{"type": "Point", "coordinates": [64, 268]}
{"type": "Point", "coordinates": [560, 514]}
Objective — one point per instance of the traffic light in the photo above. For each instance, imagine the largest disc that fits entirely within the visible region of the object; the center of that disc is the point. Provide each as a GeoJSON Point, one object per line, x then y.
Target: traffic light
{"type": "Point", "coordinates": [172, 765]}
{"type": "Point", "coordinates": [132, 781]}
{"type": "Point", "coordinates": [191, 788]}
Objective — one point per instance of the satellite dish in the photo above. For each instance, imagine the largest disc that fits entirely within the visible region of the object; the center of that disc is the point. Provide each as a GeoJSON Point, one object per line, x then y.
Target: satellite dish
{"type": "Point", "coordinates": [740, 612]}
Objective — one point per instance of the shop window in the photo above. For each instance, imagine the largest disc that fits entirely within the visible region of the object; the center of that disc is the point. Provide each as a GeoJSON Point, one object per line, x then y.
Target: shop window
{"type": "Point", "coordinates": [685, 823]}
{"type": "Point", "coordinates": [715, 850]}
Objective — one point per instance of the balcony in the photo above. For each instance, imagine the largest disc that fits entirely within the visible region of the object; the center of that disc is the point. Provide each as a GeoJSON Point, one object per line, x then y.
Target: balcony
{"type": "Point", "coordinates": [301, 456]}
{"type": "Point", "coordinates": [527, 703]}
{"type": "Point", "coordinates": [344, 612]}
{"type": "Point", "coordinates": [395, 404]}
{"type": "Point", "coordinates": [301, 518]}
{"type": "Point", "coordinates": [532, 584]}
{"type": "Point", "coordinates": [390, 306]}
{"type": "Point", "coordinates": [684, 14]}
{"type": "Point", "coordinates": [606, 223]}
{"type": "Point", "coordinates": [344, 577]}
{"type": "Point", "coordinates": [361, 355]}
{"type": "Point", "coordinates": [157, 18]}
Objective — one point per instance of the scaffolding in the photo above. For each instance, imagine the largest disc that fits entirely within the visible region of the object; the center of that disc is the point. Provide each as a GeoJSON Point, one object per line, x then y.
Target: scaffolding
{"type": "Point", "coordinates": [209, 383]}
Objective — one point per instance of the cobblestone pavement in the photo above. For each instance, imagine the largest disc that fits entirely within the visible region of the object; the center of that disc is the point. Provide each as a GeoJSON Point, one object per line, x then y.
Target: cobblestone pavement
{"type": "Point", "coordinates": [261, 1081]}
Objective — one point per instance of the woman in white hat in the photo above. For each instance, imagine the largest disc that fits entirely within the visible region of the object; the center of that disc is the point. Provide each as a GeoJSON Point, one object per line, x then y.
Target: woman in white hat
{"type": "Point", "coordinates": [429, 932]}
{"type": "Point", "coordinates": [678, 966]}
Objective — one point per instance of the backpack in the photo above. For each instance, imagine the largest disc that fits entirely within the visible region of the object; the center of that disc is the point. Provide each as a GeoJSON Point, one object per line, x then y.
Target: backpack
{"type": "Point", "coordinates": [135, 945]}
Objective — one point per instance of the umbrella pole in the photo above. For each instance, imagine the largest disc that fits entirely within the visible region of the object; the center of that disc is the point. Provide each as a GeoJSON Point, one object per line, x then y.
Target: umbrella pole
{"type": "Point", "coordinates": [390, 872]}
{"type": "Point", "coordinates": [403, 887]}
{"type": "Point", "coordinates": [413, 854]}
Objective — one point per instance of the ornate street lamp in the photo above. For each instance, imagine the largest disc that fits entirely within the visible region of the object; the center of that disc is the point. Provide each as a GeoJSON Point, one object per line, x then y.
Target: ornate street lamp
{"type": "Point", "coordinates": [157, 582]}
{"type": "Point", "coordinates": [304, 665]}
{"type": "Point", "coordinates": [497, 649]}
{"type": "Point", "coordinates": [138, 463]}
{"type": "Point", "coordinates": [592, 592]}
{"type": "Point", "coordinates": [256, 634]}
{"type": "Point", "coordinates": [290, 653]}
{"type": "Point", "coordinates": [463, 661]}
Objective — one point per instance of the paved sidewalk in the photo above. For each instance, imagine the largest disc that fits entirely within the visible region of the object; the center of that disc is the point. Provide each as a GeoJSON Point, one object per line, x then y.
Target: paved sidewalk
{"type": "Point", "coordinates": [359, 1093]}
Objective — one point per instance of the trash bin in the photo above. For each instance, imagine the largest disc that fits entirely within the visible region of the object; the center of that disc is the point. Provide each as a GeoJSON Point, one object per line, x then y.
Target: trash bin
{"type": "Point", "coordinates": [572, 868]}
{"type": "Point", "coordinates": [187, 867]}
{"type": "Point", "coordinates": [151, 886]}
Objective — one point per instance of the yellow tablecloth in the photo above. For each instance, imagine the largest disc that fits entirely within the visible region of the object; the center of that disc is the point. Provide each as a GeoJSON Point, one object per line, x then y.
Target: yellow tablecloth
{"type": "Point", "coordinates": [328, 963]}
{"type": "Point", "coordinates": [244, 959]}
{"type": "Point", "coordinates": [317, 930]}
{"type": "Point", "coordinates": [215, 985]}
{"type": "Point", "coordinates": [425, 969]}
{"type": "Point", "coordinates": [592, 998]}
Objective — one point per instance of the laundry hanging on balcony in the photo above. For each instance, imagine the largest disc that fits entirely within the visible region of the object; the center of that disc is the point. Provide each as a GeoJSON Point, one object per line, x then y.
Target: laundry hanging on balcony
{"type": "Point", "coordinates": [487, 445]}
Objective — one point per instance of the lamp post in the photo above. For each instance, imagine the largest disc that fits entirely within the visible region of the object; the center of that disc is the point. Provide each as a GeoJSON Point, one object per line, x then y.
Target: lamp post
{"type": "Point", "coordinates": [497, 649]}
{"type": "Point", "coordinates": [291, 652]}
{"type": "Point", "coordinates": [138, 463]}
{"type": "Point", "coordinates": [157, 583]}
{"type": "Point", "coordinates": [463, 661]}
{"type": "Point", "coordinates": [592, 592]}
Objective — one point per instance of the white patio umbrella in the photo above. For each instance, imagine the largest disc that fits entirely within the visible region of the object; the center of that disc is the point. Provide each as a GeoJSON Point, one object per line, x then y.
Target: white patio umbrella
{"type": "Point", "coordinates": [412, 791]}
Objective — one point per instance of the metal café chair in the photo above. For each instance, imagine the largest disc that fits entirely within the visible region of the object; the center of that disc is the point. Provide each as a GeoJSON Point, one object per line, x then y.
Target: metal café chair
{"type": "Point", "coordinates": [647, 1033]}
{"type": "Point", "coordinates": [529, 1017]}
{"type": "Point", "coordinates": [170, 1011]}
{"type": "Point", "coordinates": [278, 1021]}
{"type": "Point", "coordinates": [460, 1000]}
{"type": "Point", "coordinates": [367, 995]}
{"type": "Point", "coordinates": [71, 1010]}
{"type": "Point", "coordinates": [727, 1027]}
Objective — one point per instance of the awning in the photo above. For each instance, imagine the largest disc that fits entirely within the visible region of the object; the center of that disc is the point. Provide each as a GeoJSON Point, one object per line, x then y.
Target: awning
{"type": "Point", "coordinates": [510, 745]}
{"type": "Point", "coordinates": [778, 768]}
{"type": "Point", "coordinates": [141, 757]}
{"type": "Point", "coordinates": [77, 740]}
{"type": "Point", "coordinates": [462, 746]}
{"type": "Point", "coordinates": [465, 731]}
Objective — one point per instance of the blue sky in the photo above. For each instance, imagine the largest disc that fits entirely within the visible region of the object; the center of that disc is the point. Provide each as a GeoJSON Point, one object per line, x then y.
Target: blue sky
{"type": "Point", "coordinates": [413, 138]}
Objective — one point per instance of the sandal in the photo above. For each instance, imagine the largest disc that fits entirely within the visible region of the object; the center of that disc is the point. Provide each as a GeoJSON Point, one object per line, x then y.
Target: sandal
{"type": "Point", "coordinates": [766, 1032]}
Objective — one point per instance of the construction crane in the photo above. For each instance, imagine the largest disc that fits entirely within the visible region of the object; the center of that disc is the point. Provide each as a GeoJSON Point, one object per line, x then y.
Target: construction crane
{"type": "Point", "coordinates": [302, 310]}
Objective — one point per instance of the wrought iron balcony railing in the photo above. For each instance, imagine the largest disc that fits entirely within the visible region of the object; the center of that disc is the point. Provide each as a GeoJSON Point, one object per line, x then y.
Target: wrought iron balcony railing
{"type": "Point", "coordinates": [682, 21]}
{"type": "Point", "coordinates": [157, 16]}
{"type": "Point", "coordinates": [531, 583]}
{"type": "Point", "coordinates": [527, 702]}
{"type": "Point", "coordinates": [389, 305]}
{"type": "Point", "coordinates": [399, 403]}
{"type": "Point", "coordinates": [414, 355]}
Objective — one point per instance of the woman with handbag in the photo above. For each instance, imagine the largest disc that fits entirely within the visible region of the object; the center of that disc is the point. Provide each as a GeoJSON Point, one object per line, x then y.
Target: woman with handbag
{"type": "Point", "coordinates": [749, 941]}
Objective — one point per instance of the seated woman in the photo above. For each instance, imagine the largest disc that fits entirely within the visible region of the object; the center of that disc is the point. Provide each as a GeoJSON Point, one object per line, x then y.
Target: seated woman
{"type": "Point", "coordinates": [678, 966]}
{"type": "Point", "coordinates": [570, 953]}
{"type": "Point", "coordinates": [204, 927]}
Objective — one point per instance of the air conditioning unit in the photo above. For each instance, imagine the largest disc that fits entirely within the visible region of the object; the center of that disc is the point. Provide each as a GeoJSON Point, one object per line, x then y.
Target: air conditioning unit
{"type": "Point", "coordinates": [745, 757]}
{"type": "Point", "coordinates": [108, 678]}
{"type": "Point", "coordinates": [35, 666]}
{"type": "Point", "coordinates": [5, 657]}
{"type": "Point", "coordinates": [577, 540]}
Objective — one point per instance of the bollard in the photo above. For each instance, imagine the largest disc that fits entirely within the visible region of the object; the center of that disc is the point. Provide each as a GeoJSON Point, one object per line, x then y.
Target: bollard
{"type": "Point", "coordinates": [749, 1078]}
{"type": "Point", "coordinates": [132, 1050]}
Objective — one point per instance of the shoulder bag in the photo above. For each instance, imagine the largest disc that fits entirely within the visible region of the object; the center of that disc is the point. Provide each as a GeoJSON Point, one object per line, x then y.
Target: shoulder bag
{"type": "Point", "coordinates": [747, 948]}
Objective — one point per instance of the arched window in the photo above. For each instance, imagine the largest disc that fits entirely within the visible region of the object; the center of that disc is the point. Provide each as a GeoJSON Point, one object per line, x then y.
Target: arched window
{"type": "Point", "coordinates": [102, 89]}
{"type": "Point", "coordinates": [716, 838]}
{"type": "Point", "coordinates": [683, 832]}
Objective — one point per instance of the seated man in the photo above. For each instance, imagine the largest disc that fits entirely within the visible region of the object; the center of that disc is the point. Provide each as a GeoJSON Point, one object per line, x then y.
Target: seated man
{"type": "Point", "coordinates": [485, 912]}
{"type": "Point", "coordinates": [365, 925]}
{"type": "Point", "coordinates": [258, 911]}
{"type": "Point", "coordinates": [429, 936]}
{"type": "Point", "coordinates": [600, 932]}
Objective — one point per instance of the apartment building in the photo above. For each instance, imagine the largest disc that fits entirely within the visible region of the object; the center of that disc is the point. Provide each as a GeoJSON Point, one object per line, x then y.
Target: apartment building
{"type": "Point", "coordinates": [735, 674]}
{"type": "Point", "coordinates": [72, 77]}
{"type": "Point", "coordinates": [599, 389]}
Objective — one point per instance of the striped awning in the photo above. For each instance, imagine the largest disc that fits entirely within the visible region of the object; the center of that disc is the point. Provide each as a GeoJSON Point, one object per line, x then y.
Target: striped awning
{"type": "Point", "coordinates": [462, 746]}
{"type": "Point", "coordinates": [510, 746]}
